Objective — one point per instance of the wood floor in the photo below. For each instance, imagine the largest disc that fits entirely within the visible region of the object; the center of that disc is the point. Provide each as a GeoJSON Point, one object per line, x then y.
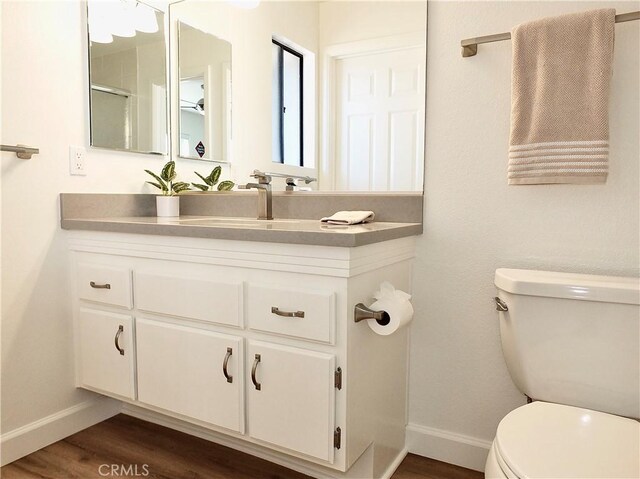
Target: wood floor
{"type": "Point", "coordinates": [152, 451]}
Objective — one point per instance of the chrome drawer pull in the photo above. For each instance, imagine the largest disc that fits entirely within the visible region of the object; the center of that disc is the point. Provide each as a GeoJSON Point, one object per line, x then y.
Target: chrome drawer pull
{"type": "Point", "coordinates": [100, 286]}
{"type": "Point", "coordinates": [253, 373]}
{"type": "Point", "coordinates": [116, 340]}
{"type": "Point", "coordinates": [287, 314]}
{"type": "Point", "coordinates": [225, 364]}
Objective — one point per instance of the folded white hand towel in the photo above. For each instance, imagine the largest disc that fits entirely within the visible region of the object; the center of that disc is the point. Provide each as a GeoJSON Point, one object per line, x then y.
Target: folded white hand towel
{"type": "Point", "coordinates": [349, 217]}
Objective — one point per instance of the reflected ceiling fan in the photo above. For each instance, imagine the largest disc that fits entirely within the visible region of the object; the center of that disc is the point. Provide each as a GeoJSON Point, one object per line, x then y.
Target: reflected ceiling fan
{"type": "Point", "coordinates": [198, 106]}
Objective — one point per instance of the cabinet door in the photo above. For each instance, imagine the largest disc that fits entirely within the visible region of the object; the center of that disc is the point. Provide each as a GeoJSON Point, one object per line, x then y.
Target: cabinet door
{"type": "Point", "coordinates": [292, 398]}
{"type": "Point", "coordinates": [106, 352]}
{"type": "Point", "coordinates": [190, 371]}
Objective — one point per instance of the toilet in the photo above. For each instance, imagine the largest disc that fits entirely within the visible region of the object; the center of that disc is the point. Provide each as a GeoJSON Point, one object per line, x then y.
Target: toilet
{"type": "Point", "coordinates": [571, 344]}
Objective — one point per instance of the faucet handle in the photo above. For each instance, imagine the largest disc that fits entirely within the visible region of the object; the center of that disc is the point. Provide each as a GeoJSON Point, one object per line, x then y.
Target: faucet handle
{"type": "Point", "coordinates": [262, 177]}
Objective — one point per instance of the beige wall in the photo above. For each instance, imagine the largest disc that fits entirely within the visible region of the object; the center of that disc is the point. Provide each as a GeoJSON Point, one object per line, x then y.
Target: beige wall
{"type": "Point", "coordinates": [344, 21]}
{"type": "Point", "coordinates": [475, 223]}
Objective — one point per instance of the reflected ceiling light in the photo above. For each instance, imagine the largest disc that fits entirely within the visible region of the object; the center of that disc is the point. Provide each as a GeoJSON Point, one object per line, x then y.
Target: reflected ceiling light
{"type": "Point", "coordinates": [120, 18]}
{"type": "Point", "coordinates": [100, 36]}
{"type": "Point", "coordinates": [246, 4]}
{"type": "Point", "coordinates": [145, 19]}
{"type": "Point", "coordinates": [99, 31]}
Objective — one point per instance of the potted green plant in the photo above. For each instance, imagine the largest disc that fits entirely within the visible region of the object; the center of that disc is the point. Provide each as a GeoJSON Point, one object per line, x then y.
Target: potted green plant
{"type": "Point", "coordinates": [168, 204]}
{"type": "Point", "coordinates": [212, 180]}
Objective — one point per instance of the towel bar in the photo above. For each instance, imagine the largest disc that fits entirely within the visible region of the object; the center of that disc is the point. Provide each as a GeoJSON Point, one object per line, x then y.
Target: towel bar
{"type": "Point", "coordinates": [470, 45]}
{"type": "Point", "coordinates": [23, 152]}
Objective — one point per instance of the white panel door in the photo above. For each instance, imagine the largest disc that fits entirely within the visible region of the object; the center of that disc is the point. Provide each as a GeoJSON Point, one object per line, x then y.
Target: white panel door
{"type": "Point", "coordinates": [190, 371]}
{"type": "Point", "coordinates": [291, 398]}
{"type": "Point", "coordinates": [380, 121]}
{"type": "Point", "coordinates": [106, 359]}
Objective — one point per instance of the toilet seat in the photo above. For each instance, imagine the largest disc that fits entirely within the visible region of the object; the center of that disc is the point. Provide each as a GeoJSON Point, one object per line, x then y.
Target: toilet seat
{"type": "Point", "coordinates": [544, 440]}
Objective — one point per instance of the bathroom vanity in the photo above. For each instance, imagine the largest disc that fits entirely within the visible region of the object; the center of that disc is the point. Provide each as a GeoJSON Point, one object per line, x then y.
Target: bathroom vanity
{"type": "Point", "coordinates": [251, 344]}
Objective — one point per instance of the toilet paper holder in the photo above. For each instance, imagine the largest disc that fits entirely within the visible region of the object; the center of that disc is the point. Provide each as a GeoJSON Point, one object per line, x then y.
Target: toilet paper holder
{"type": "Point", "coordinates": [361, 312]}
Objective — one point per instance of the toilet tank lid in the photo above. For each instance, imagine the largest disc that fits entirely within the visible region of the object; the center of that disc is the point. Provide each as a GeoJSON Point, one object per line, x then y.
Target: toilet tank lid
{"type": "Point", "coordinates": [609, 289]}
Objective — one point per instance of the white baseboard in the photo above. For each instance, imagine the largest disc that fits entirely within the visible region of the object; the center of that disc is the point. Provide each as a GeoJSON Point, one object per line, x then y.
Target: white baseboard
{"type": "Point", "coordinates": [395, 464]}
{"type": "Point", "coordinates": [447, 446]}
{"type": "Point", "coordinates": [38, 434]}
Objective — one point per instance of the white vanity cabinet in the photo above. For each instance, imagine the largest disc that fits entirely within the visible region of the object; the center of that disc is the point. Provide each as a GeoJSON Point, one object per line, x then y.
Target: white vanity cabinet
{"type": "Point", "coordinates": [252, 345]}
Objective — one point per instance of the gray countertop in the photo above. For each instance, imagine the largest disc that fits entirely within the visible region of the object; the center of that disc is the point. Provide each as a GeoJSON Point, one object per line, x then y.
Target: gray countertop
{"type": "Point", "coordinates": [293, 231]}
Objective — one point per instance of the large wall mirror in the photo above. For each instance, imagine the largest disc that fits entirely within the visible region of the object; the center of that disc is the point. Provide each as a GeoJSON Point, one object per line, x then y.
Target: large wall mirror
{"type": "Point", "coordinates": [333, 90]}
{"type": "Point", "coordinates": [127, 76]}
{"type": "Point", "coordinates": [204, 90]}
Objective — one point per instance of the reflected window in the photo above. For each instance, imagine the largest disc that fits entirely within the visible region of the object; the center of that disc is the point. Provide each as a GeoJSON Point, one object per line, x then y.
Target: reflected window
{"type": "Point", "coordinates": [287, 111]}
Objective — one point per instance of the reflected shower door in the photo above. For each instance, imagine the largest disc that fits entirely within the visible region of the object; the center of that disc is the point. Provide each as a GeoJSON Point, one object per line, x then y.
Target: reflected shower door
{"type": "Point", "coordinates": [111, 122]}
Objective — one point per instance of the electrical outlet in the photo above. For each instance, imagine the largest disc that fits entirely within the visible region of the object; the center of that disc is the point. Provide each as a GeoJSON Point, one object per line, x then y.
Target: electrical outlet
{"type": "Point", "coordinates": [77, 160]}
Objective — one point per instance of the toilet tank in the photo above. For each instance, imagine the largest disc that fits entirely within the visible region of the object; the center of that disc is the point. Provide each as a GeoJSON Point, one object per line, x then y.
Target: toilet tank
{"type": "Point", "coordinates": [573, 338]}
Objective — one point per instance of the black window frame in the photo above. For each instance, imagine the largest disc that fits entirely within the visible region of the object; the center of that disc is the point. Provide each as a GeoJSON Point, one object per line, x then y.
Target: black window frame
{"type": "Point", "coordinates": [282, 49]}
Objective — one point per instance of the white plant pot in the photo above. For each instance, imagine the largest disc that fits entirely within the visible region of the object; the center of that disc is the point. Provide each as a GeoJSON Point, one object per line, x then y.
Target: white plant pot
{"type": "Point", "coordinates": [167, 206]}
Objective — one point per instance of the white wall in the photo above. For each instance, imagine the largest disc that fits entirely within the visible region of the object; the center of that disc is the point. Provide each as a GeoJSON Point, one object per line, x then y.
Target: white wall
{"type": "Point", "coordinates": [475, 223]}
{"type": "Point", "coordinates": [45, 104]}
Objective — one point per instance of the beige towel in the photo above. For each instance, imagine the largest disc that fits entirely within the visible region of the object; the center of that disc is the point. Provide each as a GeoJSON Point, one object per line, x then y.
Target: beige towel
{"type": "Point", "coordinates": [349, 217]}
{"type": "Point", "coordinates": [559, 99]}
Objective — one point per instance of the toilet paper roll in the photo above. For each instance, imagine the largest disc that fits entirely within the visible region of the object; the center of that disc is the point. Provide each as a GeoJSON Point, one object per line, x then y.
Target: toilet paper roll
{"type": "Point", "coordinates": [398, 308]}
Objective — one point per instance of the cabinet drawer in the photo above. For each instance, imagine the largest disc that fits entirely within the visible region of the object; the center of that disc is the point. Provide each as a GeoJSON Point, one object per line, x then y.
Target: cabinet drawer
{"type": "Point", "coordinates": [195, 296]}
{"type": "Point", "coordinates": [105, 284]}
{"type": "Point", "coordinates": [289, 312]}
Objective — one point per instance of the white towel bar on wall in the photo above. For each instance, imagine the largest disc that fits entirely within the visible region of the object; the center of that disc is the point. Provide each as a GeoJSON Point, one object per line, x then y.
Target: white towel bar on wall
{"type": "Point", "coordinates": [23, 152]}
{"type": "Point", "coordinates": [470, 45]}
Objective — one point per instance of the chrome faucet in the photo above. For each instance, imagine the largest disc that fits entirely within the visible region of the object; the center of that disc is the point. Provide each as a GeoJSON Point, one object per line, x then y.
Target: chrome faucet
{"type": "Point", "coordinates": [265, 199]}
{"type": "Point", "coordinates": [291, 180]}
